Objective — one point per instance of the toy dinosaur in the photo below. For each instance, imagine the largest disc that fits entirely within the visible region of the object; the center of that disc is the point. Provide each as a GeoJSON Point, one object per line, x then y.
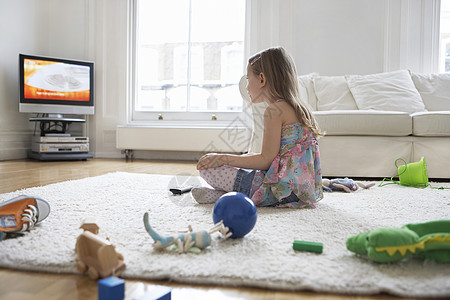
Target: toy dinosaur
{"type": "Point", "coordinates": [188, 242]}
{"type": "Point", "coordinates": [343, 185]}
{"type": "Point", "coordinates": [430, 240]}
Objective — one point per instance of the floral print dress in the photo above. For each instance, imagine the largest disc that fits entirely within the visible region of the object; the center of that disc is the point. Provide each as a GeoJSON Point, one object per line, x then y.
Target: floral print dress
{"type": "Point", "coordinates": [294, 178]}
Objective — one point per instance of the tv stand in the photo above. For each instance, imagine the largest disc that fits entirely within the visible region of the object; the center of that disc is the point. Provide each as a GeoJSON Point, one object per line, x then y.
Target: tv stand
{"type": "Point", "coordinates": [58, 156]}
{"type": "Point", "coordinates": [54, 123]}
{"type": "Point", "coordinates": [54, 119]}
{"type": "Point", "coordinates": [54, 143]}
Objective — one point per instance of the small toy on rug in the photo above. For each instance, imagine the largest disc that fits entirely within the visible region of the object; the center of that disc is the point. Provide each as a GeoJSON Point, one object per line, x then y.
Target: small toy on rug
{"type": "Point", "coordinates": [20, 214]}
{"type": "Point", "coordinates": [412, 175]}
{"type": "Point", "coordinates": [307, 246]}
{"type": "Point", "coordinates": [96, 255]}
{"type": "Point", "coordinates": [237, 212]}
{"type": "Point", "coordinates": [343, 185]}
{"type": "Point", "coordinates": [192, 242]}
{"type": "Point", "coordinates": [429, 240]}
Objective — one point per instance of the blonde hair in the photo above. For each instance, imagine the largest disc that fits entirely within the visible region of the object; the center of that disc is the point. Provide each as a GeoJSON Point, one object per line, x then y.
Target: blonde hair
{"type": "Point", "coordinates": [281, 76]}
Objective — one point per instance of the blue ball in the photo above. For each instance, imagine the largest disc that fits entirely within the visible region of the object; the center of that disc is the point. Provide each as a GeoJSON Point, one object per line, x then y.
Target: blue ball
{"type": "Point", "coordinates": [238, 213]}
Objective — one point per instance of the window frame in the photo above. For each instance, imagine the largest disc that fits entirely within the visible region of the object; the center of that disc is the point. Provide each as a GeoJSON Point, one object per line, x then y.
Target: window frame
{"type": "Point", "coordinates": [173, 119]}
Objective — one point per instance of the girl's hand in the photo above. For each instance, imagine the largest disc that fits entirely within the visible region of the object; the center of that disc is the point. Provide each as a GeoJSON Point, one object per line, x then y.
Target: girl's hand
{"type": "Point", "coordinates": [211, 160]}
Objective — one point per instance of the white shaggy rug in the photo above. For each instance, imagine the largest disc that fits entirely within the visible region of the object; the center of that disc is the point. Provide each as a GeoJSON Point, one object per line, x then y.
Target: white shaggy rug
{"type": "Point", "coordinates": [263, 258]}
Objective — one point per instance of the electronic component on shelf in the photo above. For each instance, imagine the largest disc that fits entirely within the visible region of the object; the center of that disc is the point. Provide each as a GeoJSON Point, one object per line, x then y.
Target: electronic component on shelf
{"type": "Point", "coordinates": [60, 147]}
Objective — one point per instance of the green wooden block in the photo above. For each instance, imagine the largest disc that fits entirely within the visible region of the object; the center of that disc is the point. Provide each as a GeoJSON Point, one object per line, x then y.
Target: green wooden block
{"type": "Point", "coordinates": [308, 246]}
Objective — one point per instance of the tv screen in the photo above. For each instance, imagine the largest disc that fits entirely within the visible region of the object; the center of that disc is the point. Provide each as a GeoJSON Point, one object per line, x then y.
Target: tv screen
{"type": "Point", "coordinates": [55, 85]}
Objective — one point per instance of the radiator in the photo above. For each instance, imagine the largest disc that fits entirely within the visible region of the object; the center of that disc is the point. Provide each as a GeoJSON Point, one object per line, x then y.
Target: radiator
{"type": "Point", "coordinates": [235, 140]}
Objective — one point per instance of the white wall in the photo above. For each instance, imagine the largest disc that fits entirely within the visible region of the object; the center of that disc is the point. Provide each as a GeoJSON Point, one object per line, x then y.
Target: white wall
{"type": "Point", "coordinates": [328, 37]}
{"type": "Point", "coordinates": [349, 36]}
{"type": "Point", "coordinates": [23, 28]}
{"type": "Point", "coordinates": [325, 36]}
{"type": "Point", "coordinates": [353, 29]}
{"type": "Point", "coordinates": [45, 27]}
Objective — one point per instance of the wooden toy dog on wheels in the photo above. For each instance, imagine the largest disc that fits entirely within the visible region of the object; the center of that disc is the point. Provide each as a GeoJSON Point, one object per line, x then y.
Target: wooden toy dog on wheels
{"type": "Point", "coordinates": [97, 256]}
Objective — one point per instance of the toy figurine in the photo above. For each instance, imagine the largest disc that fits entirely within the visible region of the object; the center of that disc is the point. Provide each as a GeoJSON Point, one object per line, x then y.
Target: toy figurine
{"type": "Point", "coordinates": [426, 240]}
{"type": "Point", "coordinates": [97, 256]}
{"type": "Point", "coordinates": [190, 242]}
{"type": "Point", "coordinates": [343, 185]}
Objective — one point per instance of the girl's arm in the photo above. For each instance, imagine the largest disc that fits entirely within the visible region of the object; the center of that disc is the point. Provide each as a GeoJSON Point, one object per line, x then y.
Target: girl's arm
{"type": "Point", "coordinates": [259, 161]}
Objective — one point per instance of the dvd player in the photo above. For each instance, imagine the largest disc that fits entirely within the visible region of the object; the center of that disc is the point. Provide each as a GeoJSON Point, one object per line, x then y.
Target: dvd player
{"type": "Point", "coordinates": [55, 147]}
{"type": "Point", "coordinates": [60, 139]}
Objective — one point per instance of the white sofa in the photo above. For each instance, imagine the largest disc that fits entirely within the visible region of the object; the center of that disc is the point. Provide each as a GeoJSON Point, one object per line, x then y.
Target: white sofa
{"type": "Point", "coordinates": [371, 120]}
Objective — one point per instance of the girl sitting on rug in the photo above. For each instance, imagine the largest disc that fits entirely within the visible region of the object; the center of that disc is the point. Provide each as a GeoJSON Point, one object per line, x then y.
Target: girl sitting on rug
{"type": "Point", "coordinates": [287, 172]}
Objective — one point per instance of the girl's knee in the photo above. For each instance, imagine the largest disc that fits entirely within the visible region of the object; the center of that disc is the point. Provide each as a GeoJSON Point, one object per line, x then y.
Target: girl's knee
{"type": "Point", "coordinates": [202, 172]}
{"type": "Point", "coordinates": [208, 175]}
{"type": "Point", "coordinates": [214, 175]}
{"type": "Point", "coordinates": [205, 172]}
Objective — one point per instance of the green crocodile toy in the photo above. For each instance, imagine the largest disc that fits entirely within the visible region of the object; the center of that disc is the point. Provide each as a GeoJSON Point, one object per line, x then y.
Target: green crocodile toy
{"type": "Point", "coordinates": [429, 240]}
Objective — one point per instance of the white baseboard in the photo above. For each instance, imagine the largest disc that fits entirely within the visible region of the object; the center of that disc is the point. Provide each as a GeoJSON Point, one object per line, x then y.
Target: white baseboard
{"type": "Point", "coordinates": [14, 145]}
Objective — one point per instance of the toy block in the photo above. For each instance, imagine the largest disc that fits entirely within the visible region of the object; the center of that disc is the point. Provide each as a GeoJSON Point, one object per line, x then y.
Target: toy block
{"type": "Point", "coordinates": [308, 246]}
{"type": "Point", "coordinates": [157, 292]}
{"type": "Point", "coordinates": [111, 288]}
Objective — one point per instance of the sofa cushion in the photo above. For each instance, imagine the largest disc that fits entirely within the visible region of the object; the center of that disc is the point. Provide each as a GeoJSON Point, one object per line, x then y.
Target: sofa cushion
{"type": "Point", "coordinates": [434, 90]}
{"type": "Point", "coordinates": [364, 122]}
{"type": "Point", "coordinates": [392, 91]}
{"type": "Point", "coordinates": [306, 81]}
{"type": "Point", "coordinates": [432, 123]}
{"type": "Point", "coordinates": [333, 93]}
{"type": "Point", "coordinates": [303, 94]}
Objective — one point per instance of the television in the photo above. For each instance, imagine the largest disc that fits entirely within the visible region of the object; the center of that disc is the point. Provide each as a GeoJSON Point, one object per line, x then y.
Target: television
{"type": "Point", "coordinates": [55, 86]}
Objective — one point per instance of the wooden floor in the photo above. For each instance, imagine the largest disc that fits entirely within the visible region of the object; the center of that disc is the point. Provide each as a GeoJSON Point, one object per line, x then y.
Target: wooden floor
{"type": "Point", "coordinates": [19, 174]}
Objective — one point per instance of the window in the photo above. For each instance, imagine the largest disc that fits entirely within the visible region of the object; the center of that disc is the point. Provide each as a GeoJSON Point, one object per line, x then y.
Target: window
{"type": "Point", "coordinates": [189, 58]}
{"type": "Point", "coordinates": [444, 57]}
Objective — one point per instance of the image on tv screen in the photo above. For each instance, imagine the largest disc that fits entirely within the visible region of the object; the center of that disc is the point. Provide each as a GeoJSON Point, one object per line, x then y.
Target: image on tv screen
{"type": "Point", "coordinates": [52, 80]}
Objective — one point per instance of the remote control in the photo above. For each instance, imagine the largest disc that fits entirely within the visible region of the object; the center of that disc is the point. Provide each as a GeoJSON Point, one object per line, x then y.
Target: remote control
{"type": "Point", "coordinates": [181, 190]}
